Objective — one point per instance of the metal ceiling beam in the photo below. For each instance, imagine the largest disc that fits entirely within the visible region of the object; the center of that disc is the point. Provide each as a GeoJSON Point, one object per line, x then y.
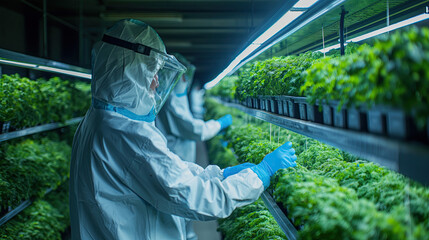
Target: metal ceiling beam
{"type": "Point", "coordinates": [203, 31]}
{"type": "Point", "coordinates": [194, 6]}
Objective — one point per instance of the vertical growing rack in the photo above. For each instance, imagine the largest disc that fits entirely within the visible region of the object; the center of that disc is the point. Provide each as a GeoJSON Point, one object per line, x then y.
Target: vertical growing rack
{"type": "Point", "coordinates": [18, 61]}
{"type": "Point", "coordinates": [319, 26]}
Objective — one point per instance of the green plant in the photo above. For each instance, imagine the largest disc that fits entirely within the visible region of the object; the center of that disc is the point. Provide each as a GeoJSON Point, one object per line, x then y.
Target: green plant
{"type": "Point", "coordinates": [331, 194]}
{"type": "Point", "coordinates": [275, 76]}
{"type": "Point", "coordinates": [43, 219]}
{"type": "Point", "coordinates": [27, 103]}
{"type": "Point", "coordinates": [253, 221]}
{"type": "Point", "coordinates": [392, 72]}
{"type": "Point", "coordinates": [225, 88]}
{"type": "Point", "coordinates": [30, 167]}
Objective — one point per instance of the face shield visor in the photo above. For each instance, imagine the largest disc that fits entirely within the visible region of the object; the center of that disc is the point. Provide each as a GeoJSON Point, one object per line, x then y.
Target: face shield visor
{"type": "Point", "coordinates": [183, 86]}
{"type": "Point", "coordinates": [166, 79]}
{"type": "Point", "coordinates": [167, 71]}
{"type": "Point", "coordinates": [189, 75]}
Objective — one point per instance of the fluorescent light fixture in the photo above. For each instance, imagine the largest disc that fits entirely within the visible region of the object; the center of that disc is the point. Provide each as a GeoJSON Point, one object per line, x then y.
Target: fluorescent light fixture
{"type": "Point", "coordinates": [67, 72]}
{"type": "Point", "coordinates": [392, 27]}
{"type": "Point", "coordinates": [305, 3]}
{"type": "Point", "coordinates": [46, 68]}
{"type": "Point", "coordinates": [20, 64]}
{"type": "Point", "coordinates": [276, 27]}
{"type": "Point", "coordinates": [285, 20]}
{"type": "Point", "coordinates": [149, 17]}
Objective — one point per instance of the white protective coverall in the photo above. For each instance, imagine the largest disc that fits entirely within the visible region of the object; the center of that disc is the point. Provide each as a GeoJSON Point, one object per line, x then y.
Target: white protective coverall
{"type": "Point", "coordinates": [182, 130]}
{"type": "Point", "coordinates": [124, 181]}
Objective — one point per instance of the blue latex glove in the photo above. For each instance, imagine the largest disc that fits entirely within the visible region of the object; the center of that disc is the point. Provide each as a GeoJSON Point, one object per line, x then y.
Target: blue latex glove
{"type": "Point", "coordinates": [236, 169]}
{"type": "Point", "coordinates": [283, 157]}
{"type": "Point", "coordinates": [225, 121]}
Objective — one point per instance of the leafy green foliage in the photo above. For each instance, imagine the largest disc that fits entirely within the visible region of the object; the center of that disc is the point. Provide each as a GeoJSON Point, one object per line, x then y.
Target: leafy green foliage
{"type": "Point", "coordinates": [30, 167]}
{"type": "Point", "coordinates": [332, 194]}
{"type": "Point", "coordinates": [393, 72]}
{"type": "Point", "coordinates": [220, 155]}
{"type": "Point", "coordinates": [225, 88]}
{"type": "Point", "coordinates": [253, 221]}
{"type": "Point", "coordinates": [27, 103]}
{"type": "Point", "coordinates": [43, 219]}
{"type": "Point", "coordinates": [367, 179]}
{"type": "Point", "coordinates": [325, 210]}
{"type": "Point", "coordinates": [275, 76]}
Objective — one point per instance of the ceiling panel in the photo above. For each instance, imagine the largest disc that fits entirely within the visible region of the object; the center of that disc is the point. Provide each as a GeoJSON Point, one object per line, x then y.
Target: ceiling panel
{"type": "Point", "coordinates": [208, 32]}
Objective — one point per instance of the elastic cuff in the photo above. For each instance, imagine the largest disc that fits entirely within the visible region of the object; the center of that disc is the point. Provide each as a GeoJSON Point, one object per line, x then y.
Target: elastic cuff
{"type": "Point", "coordinates": [262, 174]}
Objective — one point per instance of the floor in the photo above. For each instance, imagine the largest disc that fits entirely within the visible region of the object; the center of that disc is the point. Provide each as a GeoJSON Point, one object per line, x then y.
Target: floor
{"type": "Point", "coordinates": [205, 230]}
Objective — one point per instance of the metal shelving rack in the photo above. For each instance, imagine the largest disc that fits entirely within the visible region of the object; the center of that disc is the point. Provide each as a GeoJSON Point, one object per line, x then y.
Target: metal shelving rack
{"type": "Point", "coordinates": [39, 64]}
{"type": "Point", "coordinates": [311, 31]}
{"type": "Point", "coordinates": [8, 216]}
{"type": "Point", "coordinates": [37, 129]}
{"type": "Point", "coordinates": [284, 222]}
{"type": "Point", "coordinates": [408, 158]}
{"type": "Point", "coordinates": [411, 159]}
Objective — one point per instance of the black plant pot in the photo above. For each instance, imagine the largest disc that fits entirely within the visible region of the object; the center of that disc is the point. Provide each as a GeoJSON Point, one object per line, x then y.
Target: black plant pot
{"type": "Point", "coordinates": [357, 119]}
{"type": "Point", "coordinates": [302, 106]}
{"type": "Point", "coordinates": [293, 107]}
{"type": "Point", "coordinates": [273, 104]}
{"type": "Point", "coordinates": [333, 117]}
{"type": "Point", "coordinates": [279, 102]}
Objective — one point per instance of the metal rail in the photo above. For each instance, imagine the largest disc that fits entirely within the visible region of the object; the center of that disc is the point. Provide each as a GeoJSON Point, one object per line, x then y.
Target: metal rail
{"type": "Point", "coordinates": [37, 129]}
{"type": "Point", "coordinates": [25, 61]}
{"type": "Point", "coordinates": [8, 216]}
{"type": "Point", "coordinates": [408, 158]}
{"type": "Point", "coordinates": [284, 223]}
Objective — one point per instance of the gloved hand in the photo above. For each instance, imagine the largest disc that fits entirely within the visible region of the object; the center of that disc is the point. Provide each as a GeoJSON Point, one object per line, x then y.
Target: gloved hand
{"type": "Point", "coordinates": [225, 121]}
{"type": "Point", "coordinates": [236, 169]}
{"type": "Point", "coordinates": [283, 157]}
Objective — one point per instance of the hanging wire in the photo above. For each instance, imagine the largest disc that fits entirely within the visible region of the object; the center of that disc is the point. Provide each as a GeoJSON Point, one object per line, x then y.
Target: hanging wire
{"type": "Point", "coordinates": [270, 132]}
{"type": "Point", "coordinates": [387, 13]}
{"type": "Point", "coordinates": [323, 41]}
{"type": "Point", "coordinates": [278, 135]}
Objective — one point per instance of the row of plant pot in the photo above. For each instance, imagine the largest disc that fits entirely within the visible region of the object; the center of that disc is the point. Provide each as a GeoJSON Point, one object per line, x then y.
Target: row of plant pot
{"type": "Point", "coordinates": [379, 120]}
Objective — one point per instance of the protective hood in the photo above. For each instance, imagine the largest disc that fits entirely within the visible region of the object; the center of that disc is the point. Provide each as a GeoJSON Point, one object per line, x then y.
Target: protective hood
{"type": "Point", "coordinates": [125, 65]}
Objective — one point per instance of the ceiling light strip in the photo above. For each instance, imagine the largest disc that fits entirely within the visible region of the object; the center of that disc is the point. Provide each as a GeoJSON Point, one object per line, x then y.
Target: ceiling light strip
{"type": "Point", "coordinates": [47, 68]}
{"type": "Point", "coordinates": [236, 63]}
{"type": "Point", "coordinates": [416, 19]}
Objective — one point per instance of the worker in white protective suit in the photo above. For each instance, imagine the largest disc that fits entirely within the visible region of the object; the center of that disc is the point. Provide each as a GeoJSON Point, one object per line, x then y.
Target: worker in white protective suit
{"type": "Point", "coordinates": [124, 181]}
{"type": "Point", "coordinates": [176, 122]}
{"type": "Point", "coordinates": [181, 129]}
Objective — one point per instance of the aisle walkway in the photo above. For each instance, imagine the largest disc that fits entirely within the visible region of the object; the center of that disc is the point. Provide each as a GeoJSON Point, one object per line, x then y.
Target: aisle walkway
{"type": "Point", "coordinates": [205, 230]}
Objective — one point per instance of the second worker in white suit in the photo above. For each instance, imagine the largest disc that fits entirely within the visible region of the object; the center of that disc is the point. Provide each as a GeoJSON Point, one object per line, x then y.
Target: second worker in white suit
{"type": "Point", "coordinates": [178, 124]}
{"type": "Point", "coordinates": [180, 127]}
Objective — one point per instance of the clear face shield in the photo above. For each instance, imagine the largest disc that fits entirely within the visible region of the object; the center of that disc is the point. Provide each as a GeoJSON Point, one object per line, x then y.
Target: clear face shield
{"type": "Point", "coordinates": [183, 86]}
{"type": "Point", "coordinates": [190, 75]}
{"type": "Point", "coordinates": [166, 79]}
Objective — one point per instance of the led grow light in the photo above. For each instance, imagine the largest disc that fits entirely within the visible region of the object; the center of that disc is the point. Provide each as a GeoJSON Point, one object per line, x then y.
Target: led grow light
{"type": "Point", "coordinates": [305, 3]}
{"type": "Point", "coordinates": [46, 68]}
{"type": "Point", "coordinates": [67, 72]}
{"type": "Point", "coordinates": [19, 64]}
{"type": "Point", "coordinates": [285, 20]}
{"type": "Point", "coordinates": [392, 27]}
